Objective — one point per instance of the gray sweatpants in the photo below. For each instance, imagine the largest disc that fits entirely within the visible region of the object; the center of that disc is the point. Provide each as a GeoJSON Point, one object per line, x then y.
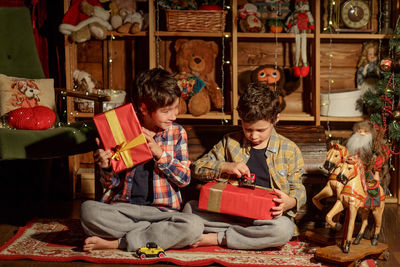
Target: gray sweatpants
{"type": "Point", "coordinates": [243, 233]}
{"type": "Point", "coordinates": [136, 225]}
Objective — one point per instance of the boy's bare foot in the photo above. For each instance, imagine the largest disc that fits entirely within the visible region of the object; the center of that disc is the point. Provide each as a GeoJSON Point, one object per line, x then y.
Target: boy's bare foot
{"type": "Point", "coordinates": [206, 240]}
{"type": "Point", "coordinates": [95, 242]}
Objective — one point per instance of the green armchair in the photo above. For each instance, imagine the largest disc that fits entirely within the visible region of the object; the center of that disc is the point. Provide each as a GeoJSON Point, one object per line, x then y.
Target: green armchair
{"type": "Point", "coordinates": [22, 149]}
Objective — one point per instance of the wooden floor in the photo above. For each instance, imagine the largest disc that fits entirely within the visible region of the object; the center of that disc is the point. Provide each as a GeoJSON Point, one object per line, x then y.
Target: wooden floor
{"type": "Point", "coordinates": [16, 213]}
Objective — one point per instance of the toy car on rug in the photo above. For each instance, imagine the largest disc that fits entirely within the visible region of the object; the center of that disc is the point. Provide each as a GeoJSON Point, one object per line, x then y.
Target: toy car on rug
{"type": "Point", "coordinates": [150, 250]}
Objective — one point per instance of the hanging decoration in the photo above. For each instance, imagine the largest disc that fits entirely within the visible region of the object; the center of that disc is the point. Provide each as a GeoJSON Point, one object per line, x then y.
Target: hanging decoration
{"type": "Point", "coordinates": [301, 22]}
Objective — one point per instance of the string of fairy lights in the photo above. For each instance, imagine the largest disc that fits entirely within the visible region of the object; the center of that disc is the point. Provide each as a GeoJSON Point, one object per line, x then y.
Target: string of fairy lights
{"type": "Point", "coordinates": [330, 61]}
{"type": "Point", "coordinates": [330, 29]}
{"type": "Point", "coordinates": [224, 62]}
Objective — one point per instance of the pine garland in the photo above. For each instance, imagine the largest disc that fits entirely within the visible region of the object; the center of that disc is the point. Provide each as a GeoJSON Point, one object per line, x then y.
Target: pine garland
{"type": "Point", "coordinates": [383, 103]}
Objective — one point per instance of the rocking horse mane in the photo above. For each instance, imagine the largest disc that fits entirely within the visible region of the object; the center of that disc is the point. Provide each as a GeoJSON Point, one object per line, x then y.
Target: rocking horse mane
{"type": "Point", "coordinates": [337, 148]}
{"type": "Point", "coordinates": [356, 161]}
{"type": "Point", "coordinates": [342, 149]}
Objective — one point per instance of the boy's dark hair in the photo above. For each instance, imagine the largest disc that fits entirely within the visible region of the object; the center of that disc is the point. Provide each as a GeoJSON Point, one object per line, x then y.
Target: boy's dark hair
{"type": "Point", "coordinates": [155, 88]}
{"type": "Point", "coordinates": [258, 102]}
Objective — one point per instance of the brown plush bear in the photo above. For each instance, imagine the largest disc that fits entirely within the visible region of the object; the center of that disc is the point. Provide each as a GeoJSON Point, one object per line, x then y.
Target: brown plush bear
{"type": "Point", "coordinates": [195, 60]}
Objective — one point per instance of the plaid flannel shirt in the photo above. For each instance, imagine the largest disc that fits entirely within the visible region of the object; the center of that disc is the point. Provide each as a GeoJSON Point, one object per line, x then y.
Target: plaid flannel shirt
{"type": "Point", "coordinates": [170, 173]}
{"type": "Point", "coordinates": [284, 160]}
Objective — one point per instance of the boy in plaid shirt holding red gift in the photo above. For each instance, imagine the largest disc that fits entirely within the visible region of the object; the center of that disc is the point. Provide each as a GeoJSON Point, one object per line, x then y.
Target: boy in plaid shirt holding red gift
{"type": "Point", "coordinates": [276, 162]}
{"type": "Point", "coordinates": [142, 204]}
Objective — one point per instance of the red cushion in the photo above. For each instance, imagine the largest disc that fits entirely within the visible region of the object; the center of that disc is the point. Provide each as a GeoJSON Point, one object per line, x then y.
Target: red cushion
{"type": "Point", "coordinates": [36, 118]}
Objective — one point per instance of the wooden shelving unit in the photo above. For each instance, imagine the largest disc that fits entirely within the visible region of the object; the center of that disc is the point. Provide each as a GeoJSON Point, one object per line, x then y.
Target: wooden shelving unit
{"type": "Point", "coordinates": [237, 41]}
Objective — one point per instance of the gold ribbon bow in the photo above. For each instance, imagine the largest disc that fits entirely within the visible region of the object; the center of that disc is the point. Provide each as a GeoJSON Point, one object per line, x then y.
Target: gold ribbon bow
{"type": "Point", "coordinates": [122, 148]}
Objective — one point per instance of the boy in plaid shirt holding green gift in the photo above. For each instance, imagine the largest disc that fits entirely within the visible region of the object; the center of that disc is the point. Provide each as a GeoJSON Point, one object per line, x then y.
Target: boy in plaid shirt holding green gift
{"type": "Point", "coordinates": [276, 162]}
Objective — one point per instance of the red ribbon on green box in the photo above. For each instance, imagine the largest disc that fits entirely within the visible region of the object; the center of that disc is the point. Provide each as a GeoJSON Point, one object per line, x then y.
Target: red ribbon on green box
{"type": "Point", "coordinates": [244, 202]}
{"type": "Point", "coordinates": [121, 132]}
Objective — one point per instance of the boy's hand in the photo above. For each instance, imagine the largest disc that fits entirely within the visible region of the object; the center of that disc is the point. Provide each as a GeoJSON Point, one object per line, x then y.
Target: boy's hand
{"type": "Point", "coordinates": [237, 168]}
{"type": "Point", "coordinates": [284, 203]}
{"type": "Point", "coordinates": [154, 147]}
{"type": "Point", "coordinates": [102, 157]}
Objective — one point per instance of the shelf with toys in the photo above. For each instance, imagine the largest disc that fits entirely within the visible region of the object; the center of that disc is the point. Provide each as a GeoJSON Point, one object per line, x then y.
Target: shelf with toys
{"type": "Point", "coordinates": [243, 52]}
{"type": "Point", "coordinates": [174, 41]}
{"type": "Point", "coordinates": [332, 57]}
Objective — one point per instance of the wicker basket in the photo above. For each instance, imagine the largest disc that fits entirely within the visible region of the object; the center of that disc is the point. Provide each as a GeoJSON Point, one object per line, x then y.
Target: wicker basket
{"type": "Point", "coordinates": [195, 20]}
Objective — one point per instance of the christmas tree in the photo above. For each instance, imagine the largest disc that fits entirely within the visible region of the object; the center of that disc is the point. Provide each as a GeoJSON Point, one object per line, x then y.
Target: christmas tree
{"type": "Point", "coordinates": [383, 103]}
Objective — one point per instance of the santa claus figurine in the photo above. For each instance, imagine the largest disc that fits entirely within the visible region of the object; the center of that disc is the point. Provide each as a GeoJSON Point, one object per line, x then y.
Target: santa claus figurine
{"type": "Point", "coordinates": [301, 22]}
{"type": "Point", "coordinates": [368, 143]}
{"type": "Point", "coordinates": [85, 19]}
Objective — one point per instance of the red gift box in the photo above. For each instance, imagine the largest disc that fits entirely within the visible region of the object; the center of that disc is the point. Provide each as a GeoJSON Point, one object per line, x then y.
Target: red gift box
{"type": "Point", "coordinates": [229, 199]}
{"type": "Point", "coordinates": [121, 132]}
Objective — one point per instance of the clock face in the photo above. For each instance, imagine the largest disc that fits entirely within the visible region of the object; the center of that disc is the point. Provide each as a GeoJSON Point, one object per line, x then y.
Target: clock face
{"type": "Point", "coordinates": [355, 14]}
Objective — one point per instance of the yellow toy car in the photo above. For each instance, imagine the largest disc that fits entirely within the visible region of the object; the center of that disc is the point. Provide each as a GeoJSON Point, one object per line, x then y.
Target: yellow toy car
{"type": "Point", "coordinates": [150, 250]}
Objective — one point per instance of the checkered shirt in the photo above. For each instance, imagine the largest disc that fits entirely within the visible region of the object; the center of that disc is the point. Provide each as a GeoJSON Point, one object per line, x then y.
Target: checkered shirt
{"type": "Point", "coordinates": [284, 160]}
{"type": "Point", "coordinates": [170, 173]}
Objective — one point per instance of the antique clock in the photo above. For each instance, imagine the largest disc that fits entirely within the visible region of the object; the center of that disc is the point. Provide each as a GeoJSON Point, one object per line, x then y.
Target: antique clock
{"type": "Point", "coordinates": [354, 15]}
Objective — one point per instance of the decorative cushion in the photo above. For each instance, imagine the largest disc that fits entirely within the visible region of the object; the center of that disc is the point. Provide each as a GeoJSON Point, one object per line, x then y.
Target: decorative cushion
{"type": "Point", "coordinates": [25, 93]}
{"type": "Point", "coordinates": [36, 118]}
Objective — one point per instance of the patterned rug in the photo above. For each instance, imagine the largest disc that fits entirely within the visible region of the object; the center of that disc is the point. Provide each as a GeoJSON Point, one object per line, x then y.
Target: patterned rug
{"type": "Point", "coordinates": [61, 240]}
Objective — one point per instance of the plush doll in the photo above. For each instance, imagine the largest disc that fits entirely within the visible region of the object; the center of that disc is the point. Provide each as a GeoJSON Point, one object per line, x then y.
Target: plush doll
{"type": "Point", "coordinates": [250, 19]}
{"type": "Point", "coordinates": [301, 22]}
{"type": "Point", "coordinates": [124, 17]}
{"type": "Point", "coordinates": [368, 70]}
{"type": "Point", "coordinates": [195, 60]}
{"type": "Point", "coordinates": [277, 80]}
{"type": "Point", "coordinates": [83, 82]}
{"type": "Point", "coordinates": [85, 19]}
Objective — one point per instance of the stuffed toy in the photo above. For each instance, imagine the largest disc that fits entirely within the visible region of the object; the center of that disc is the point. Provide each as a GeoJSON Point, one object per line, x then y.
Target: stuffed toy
{"type": "Point", "coordinates": [301, 22]}
{"type": "Point", "coordinates": [195, 60]}
{"type": "Point", "coordinates": [368, 73]}
{"type": "Point", "coordinates": [83, 82]}
{"type": "Point", "coordinates": [124, 18]}
{"type": "Point", "coordinates": [250, 19]}
{"type": "Point", "coordinates": [85, 19]}
{"type": "Point", "coordinates": [277, 79]}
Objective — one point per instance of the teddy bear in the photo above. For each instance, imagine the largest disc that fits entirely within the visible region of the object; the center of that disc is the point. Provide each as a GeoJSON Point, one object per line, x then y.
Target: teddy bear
{"type": "Point", "coordinates": [195, 60]}
{"type": "Point", "coordinates": [85, 19]}
{"type": "Point", "coordinates": [124, 17]}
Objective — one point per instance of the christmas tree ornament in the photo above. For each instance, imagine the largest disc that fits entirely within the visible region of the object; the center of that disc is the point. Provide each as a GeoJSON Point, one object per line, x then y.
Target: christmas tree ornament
{"type": "Point", "coordinates": [396, 115]}
{"type": "Point", "coordinates": [386, 64]}
{"type": "Point", "coordinates": [388, 90]}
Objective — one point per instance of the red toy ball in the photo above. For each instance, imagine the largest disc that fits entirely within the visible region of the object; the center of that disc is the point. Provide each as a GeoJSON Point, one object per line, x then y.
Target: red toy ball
{"type": "Point", "coordinates": [36, 118]}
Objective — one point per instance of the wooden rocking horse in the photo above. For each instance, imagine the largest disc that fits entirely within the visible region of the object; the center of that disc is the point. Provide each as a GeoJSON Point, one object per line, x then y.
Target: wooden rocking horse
{"type": "Point", "coordinates": [335, 155]}
{"type": "Point", "coordinates": [359, 193]}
